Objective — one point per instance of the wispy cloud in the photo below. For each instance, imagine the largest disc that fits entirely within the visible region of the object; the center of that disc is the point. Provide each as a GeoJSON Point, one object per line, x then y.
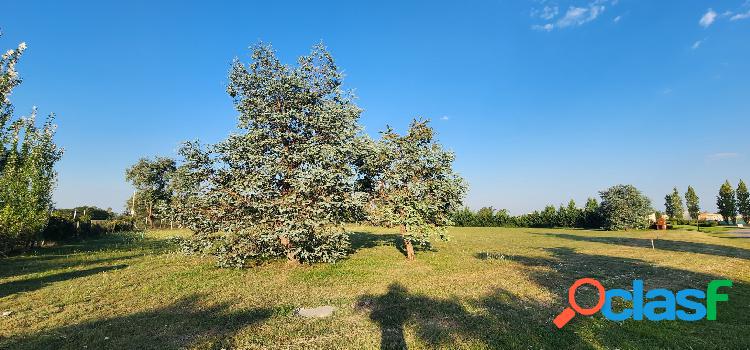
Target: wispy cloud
{"type": "Point", "coordinates": [445, 117]}
{"type": "Point", "coordinates": [617, 19]}
{"type": "Point", "coordinates": [740, 16]}
{"type": "Point", "coordinates": [574, 16]}
{"type": "Point", "coordinates": [697, 44]}
{"type": "Point", "coordinates": [708, 18]}
{"type": "Point", "coordinates": [546, 27]}
{"type": "Point", "coordinates": [549, 12]}
{"type": "Point", "coordinates": [724, 155]}
{"type": "Point", "coordinates": [666, 91]}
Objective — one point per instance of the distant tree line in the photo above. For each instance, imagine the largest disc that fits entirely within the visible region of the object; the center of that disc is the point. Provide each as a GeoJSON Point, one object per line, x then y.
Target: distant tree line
{"type": "Point", "coordinates": [84, 222]}
{"type": "Point", "coordinates": [622, 207]}
{"type": "Point", "coordinates": [562, 216]}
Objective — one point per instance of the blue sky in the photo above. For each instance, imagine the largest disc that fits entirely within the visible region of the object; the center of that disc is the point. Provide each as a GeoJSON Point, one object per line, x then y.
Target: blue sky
{"type": "Point", "coordinates": [541, 101]}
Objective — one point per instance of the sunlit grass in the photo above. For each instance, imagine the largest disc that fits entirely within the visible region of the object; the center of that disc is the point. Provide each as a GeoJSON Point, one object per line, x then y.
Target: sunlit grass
{"type": "Point", "coordinates": [486, 288]}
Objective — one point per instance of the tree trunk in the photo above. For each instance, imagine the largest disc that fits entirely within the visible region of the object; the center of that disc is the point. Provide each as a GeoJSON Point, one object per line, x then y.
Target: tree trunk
{"type": "Point", "coordinates": [149, 217]}
{"type": "Point", "coordinates": [290, 258]}
{"type": "Point", "coordinates": [407, 244]}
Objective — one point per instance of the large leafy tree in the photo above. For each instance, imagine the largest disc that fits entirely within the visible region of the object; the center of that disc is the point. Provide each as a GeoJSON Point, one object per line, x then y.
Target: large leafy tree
{"type": "Point", "coordinates": [743, 201]}
{"type": "Point", "coordinates": [285, 181]}
{"type": "Point", "coordinates": [673, 205]}
{"type": "Point", "coordinates": [623, 207]}
{"type": "Point", "coordinates": [27, 158]}
{"type": "Point", "coordinates": [151, 181]}
{"type": "Point", "coordinates": [726, 202]}
{"type": "Point", "coordinates": [692, 201]}
{"type": "Point", "coordinates": [413, 185]}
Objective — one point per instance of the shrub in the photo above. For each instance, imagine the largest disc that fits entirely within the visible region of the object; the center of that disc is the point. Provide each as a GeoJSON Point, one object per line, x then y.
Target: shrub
{"type": "Point", "coordinates": [623, 207]}
{"type": "Point", "coordinates": [59, 229]}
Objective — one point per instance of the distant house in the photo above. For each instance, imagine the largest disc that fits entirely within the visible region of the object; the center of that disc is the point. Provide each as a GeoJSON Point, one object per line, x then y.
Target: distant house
{"type": "Point", "coordinates": [710, 217]}
{"type": "Point", "coordinates": [652, 217]}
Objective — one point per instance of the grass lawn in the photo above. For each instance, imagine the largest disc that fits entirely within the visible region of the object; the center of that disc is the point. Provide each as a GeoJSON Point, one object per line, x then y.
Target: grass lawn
{"type": "Point", "coordinates": [711, 229]}
{"type": "Point", "coordinates": [487, 288]}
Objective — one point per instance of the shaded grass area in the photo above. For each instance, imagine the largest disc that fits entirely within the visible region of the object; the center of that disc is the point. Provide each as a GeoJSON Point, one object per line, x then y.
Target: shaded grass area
{"type": "Point", "coordinates": [495, 288]}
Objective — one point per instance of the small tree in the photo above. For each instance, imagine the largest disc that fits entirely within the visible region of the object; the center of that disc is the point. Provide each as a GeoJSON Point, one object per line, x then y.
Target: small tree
{"type": "Point", "coordinates": [726, 202]}
{"type": "Point", "coordinates": [151, 181]}
{"type": "Point", "coordinates": [743, 201]}
{"type": "Point", "coordinates": [592, 214]}
{"type": "Point", "coordinates": [27, 158]}
{"type": "Point", "coordinates": [691, 199]}
{"type": "Point", "coordinates": [567, 216]}
{"type": "Point", "coordinates": [485, 217]}
{"type": "Point", "coordinates": [673, 204]}
{"type": "Point", "coordinates": [464, 217]}
{"type": "Point", "coordinates": [414, 185]}
{"type": "Point", "coordinates": [624, 207]}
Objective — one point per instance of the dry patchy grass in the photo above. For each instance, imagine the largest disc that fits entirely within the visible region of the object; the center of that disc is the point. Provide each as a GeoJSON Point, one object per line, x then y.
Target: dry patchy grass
{"type": "Point", "coordinates": [487, 288]}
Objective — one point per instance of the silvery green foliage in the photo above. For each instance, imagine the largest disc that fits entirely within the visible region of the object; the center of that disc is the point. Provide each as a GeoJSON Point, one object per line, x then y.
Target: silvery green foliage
{"type": "Point", "coordinates": [287, 173]}
{"type": "Point", "coordinates": [623, 207]}
{"type": "Point", "coordinates": [413, 184]}
{"type": "Point", "coordinates": [27, 157]}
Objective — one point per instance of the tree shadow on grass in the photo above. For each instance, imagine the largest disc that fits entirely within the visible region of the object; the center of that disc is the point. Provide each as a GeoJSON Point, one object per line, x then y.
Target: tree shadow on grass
{"type": "Point", "coordinates": [364, 240]}
{"type": "Point", "coordinates": [663, 244]}
{"type": "Point", "coordinates": [41, 264]}
{"type": "Point", "coordinates": [555, 273]}
{"type": "Point", "coordinates": [73, 254]}
{"type": "Point", "coordinates": [499, 321]}
{"type": "Point", "coordinates": [186, 323]}
{"type": "Point", "coordinates": [31, 284]}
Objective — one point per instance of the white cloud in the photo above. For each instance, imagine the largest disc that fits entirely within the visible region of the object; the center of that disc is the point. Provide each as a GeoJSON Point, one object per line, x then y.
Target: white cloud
{"type": "Point", "coordinates": [573, 17]}
{"type": "Point", "coordinates": [697, 44]}
{"type": "Point", "coordinates": [666, 91]}
{"type": "Point", "coordinates": [724, 155]}
{"type": "Point", "coordinates": [576, 16]}
{"type": "Point", "coordinates": [547, 27]}
{"type": "Point", "coordinates": [549, 12]}
{"type": "Point", "coordinates": [708, 18]}
{"type": "Point", "coordinates": [740, 16]}
{"type": "Point", "coordinates": [617, 19]}
{"type": "Point", "coordinates": [445, 117]}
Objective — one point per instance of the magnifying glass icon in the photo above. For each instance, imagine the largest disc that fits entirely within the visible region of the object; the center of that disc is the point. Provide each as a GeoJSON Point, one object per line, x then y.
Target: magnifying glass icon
{"type": "Point", "coordinates": [566, 315]}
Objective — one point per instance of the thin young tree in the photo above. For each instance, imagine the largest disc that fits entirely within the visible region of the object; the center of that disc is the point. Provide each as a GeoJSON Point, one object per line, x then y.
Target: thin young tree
{"type": "Point", "coordinates": [727, 203]}
{"type": "Point", "coordinates": [673, 205]}
{"type": "Point", "coordinates": [743, 201]}
{"type": "Point", "coordinates": [414, 186]}
{"type": "Point", "coordinates": [692, 201]}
